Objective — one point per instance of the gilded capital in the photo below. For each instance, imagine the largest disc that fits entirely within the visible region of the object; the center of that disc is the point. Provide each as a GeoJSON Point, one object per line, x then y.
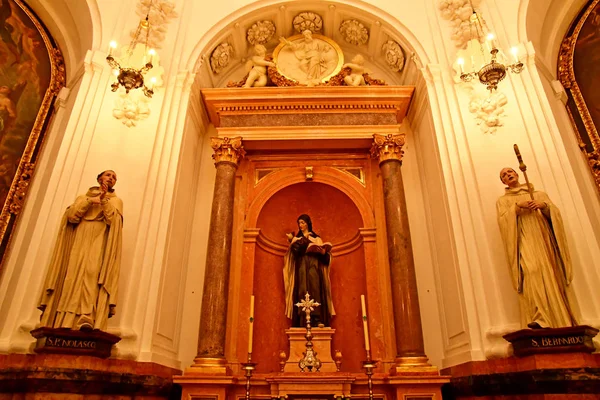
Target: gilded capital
{"type": "Point", "coordinates": [387, 147]}
{"type": "Point", "coordinates": [227, 149]}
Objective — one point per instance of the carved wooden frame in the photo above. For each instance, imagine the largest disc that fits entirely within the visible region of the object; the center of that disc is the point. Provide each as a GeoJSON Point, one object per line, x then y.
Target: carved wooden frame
{"type": "Point", "coordinates": [17, 193]}
{"type": "Point", "coordinates": [588, 137]}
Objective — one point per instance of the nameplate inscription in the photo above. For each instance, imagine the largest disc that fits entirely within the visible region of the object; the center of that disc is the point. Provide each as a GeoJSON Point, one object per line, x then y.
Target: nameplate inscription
{"type": "Point", "coordinates": [552, 340]}
{"type": "Point", "coordinates": [558, 341]}
{"type": "Point", "coordinates": [70, 343]}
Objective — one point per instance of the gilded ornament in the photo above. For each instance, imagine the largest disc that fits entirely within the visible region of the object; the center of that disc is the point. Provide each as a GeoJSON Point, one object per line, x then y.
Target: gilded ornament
{"type": "Point", "coordinates": [566, 75]}
{"type": "Point", "coordinates": [388, 147]}
{"type": "Point", "coordinates": [18, 171]}
{"type": "Point", "coordinates": [227, 149]}
{"type": "Point", "coordinates": [221, 57]}
{"type": "Point", "coordinates": [394, 56]}
{"type": "Point", "coordinates": [308, 21]}
{"type": "Point", "coordinates": [354, 32]}
{"type": "Point", "coordinates": [18, 198]}
{"type": "Point", "coordinates": [260, 32]}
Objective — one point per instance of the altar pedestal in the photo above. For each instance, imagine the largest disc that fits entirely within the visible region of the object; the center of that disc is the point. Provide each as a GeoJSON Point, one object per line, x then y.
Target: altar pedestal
{"type": "Point", "coordinates": [311, 384]}
{"type": "Point", "coordinates": [321, 339]}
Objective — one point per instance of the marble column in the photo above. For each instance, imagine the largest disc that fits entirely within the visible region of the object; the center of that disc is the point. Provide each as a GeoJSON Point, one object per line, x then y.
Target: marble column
{"type": "Point", "coordinates": [228, 152]}
{"type": "Point", "coordinates": [407, 318]}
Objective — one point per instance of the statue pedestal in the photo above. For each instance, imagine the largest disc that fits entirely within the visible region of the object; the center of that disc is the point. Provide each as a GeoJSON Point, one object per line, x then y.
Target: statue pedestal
{"type": "Point", "coordinates": [321, 344]}
{"type": "Point", "coordinates": [67, 341]}
{"type": "Point", "coordinates": [552, 340]}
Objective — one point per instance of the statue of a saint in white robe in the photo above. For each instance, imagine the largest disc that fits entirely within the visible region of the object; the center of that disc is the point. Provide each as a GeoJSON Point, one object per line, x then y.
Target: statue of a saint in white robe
{"type": "Point", "coordinates": [538, 256]}
{"type": "Point", "coordinates": [80, 290]}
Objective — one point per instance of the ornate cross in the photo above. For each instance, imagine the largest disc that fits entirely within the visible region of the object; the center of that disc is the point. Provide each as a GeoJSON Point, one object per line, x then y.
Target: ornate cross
{"type": "Point", "coordinates": [310, 359]}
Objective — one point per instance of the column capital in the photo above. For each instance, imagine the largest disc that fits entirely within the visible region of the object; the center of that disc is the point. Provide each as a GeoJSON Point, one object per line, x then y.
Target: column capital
{"type": "Point", "coordinates": [388, 147]}
{"type": "Point", "coordinates": [227, 149]}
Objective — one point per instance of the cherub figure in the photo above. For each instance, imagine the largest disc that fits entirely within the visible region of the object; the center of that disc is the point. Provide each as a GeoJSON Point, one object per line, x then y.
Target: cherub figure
{"type": "Point", "coordinates": [358, 69]}
{"type": "Point", "coordinates": [257, 65]}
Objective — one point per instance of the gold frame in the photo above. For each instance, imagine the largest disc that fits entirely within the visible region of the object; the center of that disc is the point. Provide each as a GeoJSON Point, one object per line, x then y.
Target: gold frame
{"type": "Point", "coordinates": [566, 75]}
{"type": "Point", "coordinates": [17, 193]}
{"type": "Point", "coordinates": [329, 41]}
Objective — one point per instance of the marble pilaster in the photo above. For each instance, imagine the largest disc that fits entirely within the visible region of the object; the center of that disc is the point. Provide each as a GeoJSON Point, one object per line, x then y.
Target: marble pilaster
{"type": "Point", "coordinates": [211, 342]}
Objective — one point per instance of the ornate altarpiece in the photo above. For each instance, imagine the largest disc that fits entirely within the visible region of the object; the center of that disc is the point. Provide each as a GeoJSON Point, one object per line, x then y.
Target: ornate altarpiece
{"type": "Point", "coordinates": [307, 151]}
{"type": "Point", "coordinates": [579, 73]}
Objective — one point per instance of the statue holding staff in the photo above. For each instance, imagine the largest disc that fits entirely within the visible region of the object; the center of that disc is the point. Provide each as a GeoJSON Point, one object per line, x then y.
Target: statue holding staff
{"type": "Point", "coordinates": [536, 247]}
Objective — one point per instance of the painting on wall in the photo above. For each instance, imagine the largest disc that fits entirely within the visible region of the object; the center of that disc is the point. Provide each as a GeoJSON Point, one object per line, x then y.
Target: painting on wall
{"type": "Point", "coordinates": [579, 73]}
{"type": "Point", "coordinates": [31, 74]}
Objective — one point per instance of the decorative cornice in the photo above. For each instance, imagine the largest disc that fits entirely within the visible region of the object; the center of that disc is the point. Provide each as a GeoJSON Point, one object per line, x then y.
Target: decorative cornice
{"type": "Point", "coordinates": [388, 147]}
{"type": "Point", "coordinates": [393, 100]}
{"type": "Point", "coordinates": [227, 150]}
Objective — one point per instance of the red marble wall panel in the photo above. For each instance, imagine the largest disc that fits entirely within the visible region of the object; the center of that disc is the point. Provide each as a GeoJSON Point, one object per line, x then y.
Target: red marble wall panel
{"type": "Point", "coordinates": [336, 219]}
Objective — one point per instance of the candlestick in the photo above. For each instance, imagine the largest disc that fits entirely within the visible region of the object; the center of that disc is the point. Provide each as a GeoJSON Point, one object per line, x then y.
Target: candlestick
{"type": "Point", "coordinates": [250, 327]}
{"type": "Point", "coordinates": [364, 319]}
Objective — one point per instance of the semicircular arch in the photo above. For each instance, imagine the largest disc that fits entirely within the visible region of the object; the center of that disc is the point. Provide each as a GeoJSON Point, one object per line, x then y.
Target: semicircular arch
{"type": "Point", "coordinates": [393, 27]}
{"type": "Point", "coordinates": [344, 182]}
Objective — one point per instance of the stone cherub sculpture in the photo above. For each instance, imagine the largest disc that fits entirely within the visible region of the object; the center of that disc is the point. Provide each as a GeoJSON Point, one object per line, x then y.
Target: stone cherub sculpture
{"type": "Point", "coordinates": [257, 66]}
{"type": "Point", "coordinates": [535, 242]}
{"type": "Point", "coordinates": [80, 290]}
{"type": "Point", "coordinates": [357, 67]}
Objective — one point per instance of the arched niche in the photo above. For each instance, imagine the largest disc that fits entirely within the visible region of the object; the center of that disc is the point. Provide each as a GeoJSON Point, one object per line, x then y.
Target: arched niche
{"type": "Point", "coordinates": [335, 218]}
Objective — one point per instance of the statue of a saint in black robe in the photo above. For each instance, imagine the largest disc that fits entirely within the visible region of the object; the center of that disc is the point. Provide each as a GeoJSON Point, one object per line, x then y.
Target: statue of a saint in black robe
{"type": "Point", "coordinates": [307, 271]}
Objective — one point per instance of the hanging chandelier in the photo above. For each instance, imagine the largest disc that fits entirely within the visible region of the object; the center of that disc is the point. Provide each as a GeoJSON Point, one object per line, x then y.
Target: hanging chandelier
{"type": "Point", "coordinates": [127, 76]}
{"type": "Point", "coordinates": [491, 70]}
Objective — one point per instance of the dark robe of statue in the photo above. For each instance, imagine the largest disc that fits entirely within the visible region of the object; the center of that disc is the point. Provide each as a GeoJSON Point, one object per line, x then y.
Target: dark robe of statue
{"type": "Point", "coordinates": [307, 272]}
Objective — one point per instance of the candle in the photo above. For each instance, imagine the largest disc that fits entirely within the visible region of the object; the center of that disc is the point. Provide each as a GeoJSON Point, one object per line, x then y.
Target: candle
{"type": "Point", "coordinates": [250, 327]}
{"type": "Point", "coordinates": [515, 53]}
{"type": "Point", "coordinates": [461, 62]}
{"type": "Point", "coordinates": [152, 83]}
{"type": "Point", "coordinates": [152, 53]}
{"type": "Point", "coordinates": [364, 319]}
{"type": "Point", "coordinates": [112, 45]}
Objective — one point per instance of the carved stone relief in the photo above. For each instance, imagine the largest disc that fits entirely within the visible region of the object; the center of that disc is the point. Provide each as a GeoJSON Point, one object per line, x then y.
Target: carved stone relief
{"type": "Point", "coordinates": [488, 110]}
{"type": "Point", "coordinates": [394, 56]}
{"type": "Point", "coordinates": [354, 32]}
{"type": "Point", "coordinates": [458, 12]}
{"type": "Point", "coordinates": [308, 21]}
{"type": "Point", "coordinates": [260, 32]}
{"type": "Point", "coordinates": [161, 14]}
{"type": "Point", "coordinates": [131, 109]}
{"type": "Point", "coordinates": [220, 57]}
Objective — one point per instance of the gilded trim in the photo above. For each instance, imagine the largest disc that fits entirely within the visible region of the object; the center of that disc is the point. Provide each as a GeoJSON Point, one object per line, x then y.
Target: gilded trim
{"type": "Point", "coordinates": [17, 193]}
{"type": "Point", "coordinates": [566, 75]}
